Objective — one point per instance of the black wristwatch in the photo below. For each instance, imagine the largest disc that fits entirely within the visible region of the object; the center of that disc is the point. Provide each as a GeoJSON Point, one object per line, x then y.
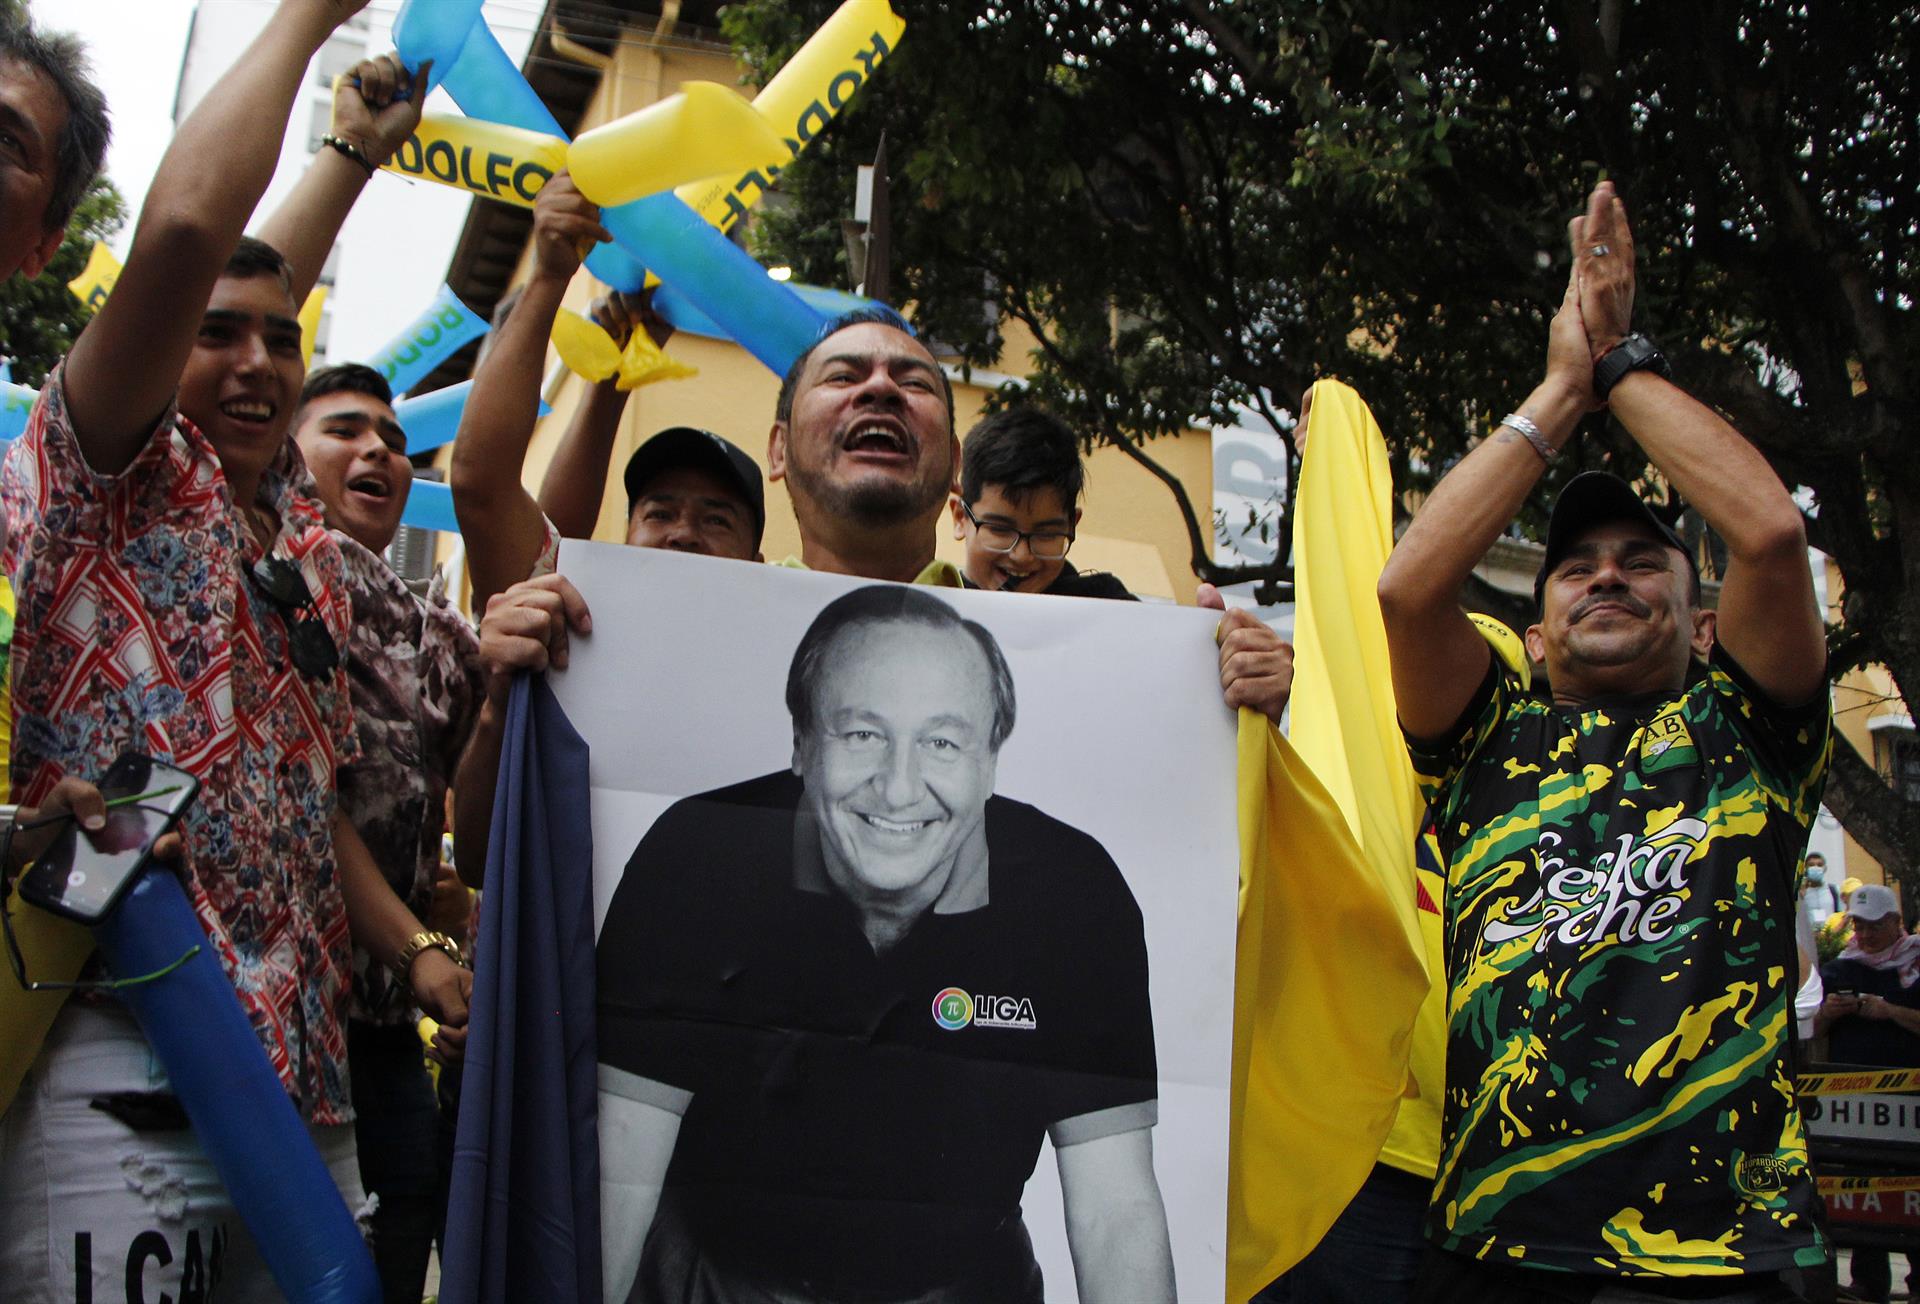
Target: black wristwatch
{"type": "Point", "coordinates": [1634, 353]}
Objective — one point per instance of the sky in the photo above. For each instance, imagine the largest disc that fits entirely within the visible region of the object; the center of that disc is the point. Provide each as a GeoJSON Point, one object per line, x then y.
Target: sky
{"type": "Point", "coordinates": [395, 247]}
{"type": "Point", "coordinates": [135, 46]}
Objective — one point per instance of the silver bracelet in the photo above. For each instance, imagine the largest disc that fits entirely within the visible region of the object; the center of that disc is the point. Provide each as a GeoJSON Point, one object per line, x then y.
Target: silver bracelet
{"type": "Point", "coordinates": [1531, 433]}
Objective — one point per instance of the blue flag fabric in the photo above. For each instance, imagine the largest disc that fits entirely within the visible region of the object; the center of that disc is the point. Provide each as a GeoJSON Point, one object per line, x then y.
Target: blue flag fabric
{"type": "Point", "coordinates": [523, 1219]}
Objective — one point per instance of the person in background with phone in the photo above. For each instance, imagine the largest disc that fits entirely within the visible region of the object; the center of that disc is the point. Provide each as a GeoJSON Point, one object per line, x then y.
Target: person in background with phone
{"type": "Point", "coordinates": [210, 633]}
{"type": "Point", "coordinates": [1871, 1016]}
{"type": "Point", "coordinates": [414, 665]}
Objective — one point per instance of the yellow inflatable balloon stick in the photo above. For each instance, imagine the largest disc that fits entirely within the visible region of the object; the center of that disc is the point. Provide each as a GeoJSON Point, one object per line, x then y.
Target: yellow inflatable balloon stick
{"type": "Point", "coordinates": [810, 88]}
{"type": "Point", "coordinates": [701, 129]}
{"type": "Point", "coordinates": [488, 159]}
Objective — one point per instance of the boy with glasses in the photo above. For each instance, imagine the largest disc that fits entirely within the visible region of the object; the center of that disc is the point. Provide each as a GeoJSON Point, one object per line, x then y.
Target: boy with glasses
{"type": "Point", "coordinates": [1020, 484]}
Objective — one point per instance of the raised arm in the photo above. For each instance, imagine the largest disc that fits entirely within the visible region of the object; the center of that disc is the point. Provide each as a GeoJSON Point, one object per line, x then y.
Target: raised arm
{"type": "Point", "coordinates": [499, 519]}
{"type": "Point", "coordinates": [1438, 658]}
{"type": "Point", "coordinates": [1768, 618]}
{"type": "Point", "coordinates": [123, 369]}
{"type": "Point", "coordinates": [577, 476]}
{"type": "Point", "coordinates": [374, 111]}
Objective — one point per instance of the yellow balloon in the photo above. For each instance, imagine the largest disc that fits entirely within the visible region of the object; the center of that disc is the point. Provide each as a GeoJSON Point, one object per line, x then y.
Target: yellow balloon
{"type": "Point", "coordinates": [310, 321]}
{"type": "Point", "coordinates": [802, 98]}
{"type": "Point", "coordinates": [96, 280]}
{"type": "Point", "coordinates": [1506, 645]}
{"type": "Point", "coordinates": [643, 362]}
{"type": "Point", "coordinates": [591, 354]}
{"type": "Point", "coordinates": [588, 351]}
{"type": "Point", "coordinates": [484, 158]}
{"type": "Point", "coordinates": [682, 138]}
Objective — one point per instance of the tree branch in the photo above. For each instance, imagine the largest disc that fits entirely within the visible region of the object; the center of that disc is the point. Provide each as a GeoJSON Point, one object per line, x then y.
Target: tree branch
{"type": "Point", "coordinates": [1884, 823]}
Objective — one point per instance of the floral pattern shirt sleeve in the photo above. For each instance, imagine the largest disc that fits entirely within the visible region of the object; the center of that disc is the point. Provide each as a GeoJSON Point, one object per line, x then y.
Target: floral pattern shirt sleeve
{"type": "Point", "coordinates": [139, 629]}
{"type": "Point", "coordinates": [417, 687]}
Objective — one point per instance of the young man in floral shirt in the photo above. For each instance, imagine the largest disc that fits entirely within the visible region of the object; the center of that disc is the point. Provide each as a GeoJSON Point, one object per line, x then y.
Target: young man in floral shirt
{"type": "Point", "coordinates": [414, 668]}
{"type": "Point", "coordinates": [180, 596]}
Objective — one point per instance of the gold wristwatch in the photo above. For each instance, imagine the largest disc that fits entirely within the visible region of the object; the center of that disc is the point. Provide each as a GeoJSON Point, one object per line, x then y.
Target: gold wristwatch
{"type": "Point", "coordinates": [425, 941]}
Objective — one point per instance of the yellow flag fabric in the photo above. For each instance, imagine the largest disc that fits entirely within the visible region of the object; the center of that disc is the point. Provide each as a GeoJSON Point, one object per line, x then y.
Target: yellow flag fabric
{"type": "Point", "coordinates": [310, 322]}
{"type": "Point", "coordinates": [55, 949]}
{"type": "Point", "coordinates": [97, 278]}
{"type": "Point", "coordinates": [1344, 721]}
{"type": "Point", "coordinates": [1325, 990]}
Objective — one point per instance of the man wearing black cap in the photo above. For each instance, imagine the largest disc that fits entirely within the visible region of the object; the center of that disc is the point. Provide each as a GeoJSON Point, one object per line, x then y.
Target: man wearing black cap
{"type": "Point", "coordinates": [693, 491]}
{"type": "Point", "coordinates": [1621, 854]}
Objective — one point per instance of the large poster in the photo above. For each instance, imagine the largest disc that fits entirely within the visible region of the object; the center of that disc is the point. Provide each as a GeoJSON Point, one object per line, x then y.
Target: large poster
{"type": "Point", "coordinates": [915, 915]}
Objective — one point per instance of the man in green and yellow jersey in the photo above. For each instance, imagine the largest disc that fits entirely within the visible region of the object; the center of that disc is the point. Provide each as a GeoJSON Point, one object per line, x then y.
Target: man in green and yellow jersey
{"type": "Point", "coordinates": [1620, 1119]}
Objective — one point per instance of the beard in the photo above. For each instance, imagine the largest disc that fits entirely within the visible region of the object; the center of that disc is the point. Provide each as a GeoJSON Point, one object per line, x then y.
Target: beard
{"type": "Point", "coordinates": [874, 501]}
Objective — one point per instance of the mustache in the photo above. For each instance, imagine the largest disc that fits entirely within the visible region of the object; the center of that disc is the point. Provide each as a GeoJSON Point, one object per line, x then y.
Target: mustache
{"type": "Point", "coordinates": [1627, 600]}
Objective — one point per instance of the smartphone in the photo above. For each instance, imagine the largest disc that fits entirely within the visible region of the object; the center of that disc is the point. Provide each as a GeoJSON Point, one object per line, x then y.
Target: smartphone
{"type": "Point", "coordinates": [84, 873]}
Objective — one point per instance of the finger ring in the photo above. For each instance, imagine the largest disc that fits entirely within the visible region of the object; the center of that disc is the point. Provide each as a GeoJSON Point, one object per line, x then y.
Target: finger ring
{"type": "Point", "coordinates": [1599, 251]}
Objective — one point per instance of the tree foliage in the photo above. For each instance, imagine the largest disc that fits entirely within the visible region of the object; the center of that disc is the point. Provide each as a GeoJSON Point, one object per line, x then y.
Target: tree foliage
{"type": "Point", "coordinates": [39, 318]}
{"type": "Point", "coordinates": [1197, 206]}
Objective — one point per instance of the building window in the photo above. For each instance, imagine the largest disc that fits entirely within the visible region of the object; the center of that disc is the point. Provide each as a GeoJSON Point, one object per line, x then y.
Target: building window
{"type": "Point", "coordinates": [1896, 754]}
{"type": "Point", "coordinates": [335, 57]}
{"type": "Point", "coordinates": [320, 122]}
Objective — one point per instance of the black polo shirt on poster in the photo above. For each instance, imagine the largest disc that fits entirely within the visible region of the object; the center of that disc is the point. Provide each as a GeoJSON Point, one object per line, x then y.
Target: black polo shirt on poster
{"type": "Point", "coordinates": [865, 1124]}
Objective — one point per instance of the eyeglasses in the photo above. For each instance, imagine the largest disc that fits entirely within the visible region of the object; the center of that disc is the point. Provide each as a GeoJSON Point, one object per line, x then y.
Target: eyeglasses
{"type": "Point", "coordinates": [1046, 545]}
{"type": "Point", "coordinates": [311, 643]}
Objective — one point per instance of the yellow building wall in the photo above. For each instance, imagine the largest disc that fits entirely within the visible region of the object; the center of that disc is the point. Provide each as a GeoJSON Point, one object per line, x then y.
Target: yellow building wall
{"type": "Point", "coordinates": [1132, 524]}
{"type": "Point", "coordinates": [1858, 697]}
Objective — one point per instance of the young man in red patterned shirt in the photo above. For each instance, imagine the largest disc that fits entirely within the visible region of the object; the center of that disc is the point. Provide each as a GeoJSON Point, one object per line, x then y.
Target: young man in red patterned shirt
{"type": "Point", "coordinates": [180, 596]}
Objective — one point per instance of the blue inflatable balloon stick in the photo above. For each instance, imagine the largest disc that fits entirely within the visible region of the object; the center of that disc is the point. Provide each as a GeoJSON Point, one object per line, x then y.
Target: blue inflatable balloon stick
{"type": "Point", "coordinates": [427, 341]}
{"type": "Point", "coordinates": [717, 276]}
{"type": "Point", "coordinates": [434, 419]}
{"type": "Point", "coordinates": [16, 405]}
{"type": "Point", "coordinates": [430, 507]}
{"type": "Point", "coordinates": [486, 84]}
{"type": "Point", "coordinates": [233, 1098]}
{"type": "Point", "coordinates": [661, 231]}
{"type": "Point", "coordinates": [436, 30]}
{"type": "Point", "coordinates": [680, 313]}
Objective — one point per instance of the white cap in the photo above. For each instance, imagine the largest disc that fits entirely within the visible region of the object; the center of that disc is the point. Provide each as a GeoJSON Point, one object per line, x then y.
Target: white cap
{"type": "Point", "coordinates": [1873, 902]}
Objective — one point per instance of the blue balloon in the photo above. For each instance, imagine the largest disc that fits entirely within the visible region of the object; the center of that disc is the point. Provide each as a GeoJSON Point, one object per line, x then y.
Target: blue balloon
{"type": "Point", "coordinates": [430, 507]}
{"type": "Point", "coordinates": [436, 30]}
{"type": "Point", "coordinates": [682, 315]}
{"type": "Point", "coordinates": [16, 405]}
{"type": "Point", "coordinates": [717, 276]}
{"type": "Point", "coordinates": [434, 419]}
{"type": "Point", "coordinates": [617, 269]}
{"type": "Point", "coordinates": [427, 341]}
{"type": "Point", "coordinates": [485, 84]}
{"type": "Point", "coordinates": [234, 1099]}
{"type": "Point", "coordinates": [763, 316]}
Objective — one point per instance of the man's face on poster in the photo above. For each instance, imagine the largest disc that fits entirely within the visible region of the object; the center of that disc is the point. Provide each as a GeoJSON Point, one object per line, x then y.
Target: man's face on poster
{"type": "Point", "coordinates": [899, 761]}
